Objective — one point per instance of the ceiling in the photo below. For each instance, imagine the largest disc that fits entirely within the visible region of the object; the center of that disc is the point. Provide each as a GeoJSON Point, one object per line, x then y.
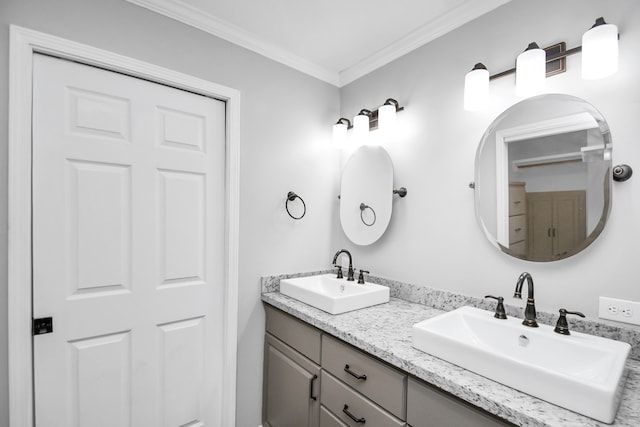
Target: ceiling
{"type": "Point", "coordinates": [337, 41]}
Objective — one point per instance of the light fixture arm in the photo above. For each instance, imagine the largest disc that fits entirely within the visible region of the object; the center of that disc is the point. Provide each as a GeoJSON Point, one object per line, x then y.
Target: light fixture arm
{"type": "Point", "coordinates": [391, 101]}
{"type": "Point", "coordinates": [344, 121]}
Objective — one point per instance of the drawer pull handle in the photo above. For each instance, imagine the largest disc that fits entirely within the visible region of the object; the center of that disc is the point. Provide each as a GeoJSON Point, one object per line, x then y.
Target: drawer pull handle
{"type": "Point", "coordinates": [517, 229]}
{"type": "Point", "coordinates": [517, 202]}
{"type": "Point", "coordinates": [311, 396]}
{"type": "Point", "coordinates": [353, 417]}
{"type": "Point", "coordinates": [353, 374]}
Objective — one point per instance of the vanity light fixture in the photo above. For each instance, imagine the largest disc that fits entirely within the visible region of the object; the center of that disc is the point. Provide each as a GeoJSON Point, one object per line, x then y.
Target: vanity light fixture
{"type": "Point", "coordinates": [340, 132]}
{"type": "Point", "coordinates": [366, 120]}
{"type": "Point", "coordinates": [530, 71]}
{"type": "Point", "coordinates": [599, 59]}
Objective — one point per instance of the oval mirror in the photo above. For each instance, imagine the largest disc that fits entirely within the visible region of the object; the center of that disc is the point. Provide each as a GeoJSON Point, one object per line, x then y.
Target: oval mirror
{"type": "Point", "coordinates": [366, 193]}
{"type": "Point", "coordinates": [543, 178]}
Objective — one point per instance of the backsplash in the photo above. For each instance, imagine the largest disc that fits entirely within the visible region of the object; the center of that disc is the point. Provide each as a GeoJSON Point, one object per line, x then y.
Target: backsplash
{"type": "Point", "coordinates": [447, 301]}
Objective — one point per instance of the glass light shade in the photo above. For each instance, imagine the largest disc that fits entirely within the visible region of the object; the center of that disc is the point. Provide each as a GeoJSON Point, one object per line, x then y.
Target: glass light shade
{"type": "Point", "coordinates": [531, 72]}
{"type": "Point", "coordinates": [476, 89]}
{"type": "Point", "coordinates": [600, 52]}
{"type": "Point", "coordinates": [386, 117]}
{"type": "Point", "coordinates": [339, 135]}
{"type": "Point", "coordinates": [360, 127]}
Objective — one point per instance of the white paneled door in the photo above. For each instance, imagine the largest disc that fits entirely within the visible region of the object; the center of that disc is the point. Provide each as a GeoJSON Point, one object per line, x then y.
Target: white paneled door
{"type": "Point", "coordinates": [128, 250]}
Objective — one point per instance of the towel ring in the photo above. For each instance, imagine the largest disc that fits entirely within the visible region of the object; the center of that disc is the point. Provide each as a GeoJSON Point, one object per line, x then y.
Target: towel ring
{"type": "Point", "coordinates": [291, 196]}
{"type": "Point", "coordinates": [363, 207]}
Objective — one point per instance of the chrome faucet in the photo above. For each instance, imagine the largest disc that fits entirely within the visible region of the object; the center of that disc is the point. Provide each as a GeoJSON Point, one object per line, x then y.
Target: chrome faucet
{"type": "Point", "coordinates": [350, 271]}
{"type": "Point", "coordinates": [530, 309]}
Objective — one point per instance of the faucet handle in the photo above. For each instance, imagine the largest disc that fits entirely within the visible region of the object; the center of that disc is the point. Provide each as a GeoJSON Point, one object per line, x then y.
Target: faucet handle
{"type": "Point", "coordinates": [361, 276]}
{"type": "Point", "coordinates": [339, 267]}
{"type": "Point", "coordinates": [562, 327]}
{"type": "Point", "coordinates": [500, 312]}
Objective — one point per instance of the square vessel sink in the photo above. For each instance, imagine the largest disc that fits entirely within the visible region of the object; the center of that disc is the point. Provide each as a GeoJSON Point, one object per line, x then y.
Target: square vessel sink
{"type": "Point", "coordinates": [333, 295]}
{"type": "Point", "coordinates": [579, 372]}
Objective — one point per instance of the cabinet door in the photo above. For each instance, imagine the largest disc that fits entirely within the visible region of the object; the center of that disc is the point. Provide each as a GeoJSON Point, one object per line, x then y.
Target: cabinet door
{"type": "Point", "coordinates": [557, 223]}
{"type": "Point", "coordinates": [429, 407]}
{"type": "Point", "coordinates": [291, 387]}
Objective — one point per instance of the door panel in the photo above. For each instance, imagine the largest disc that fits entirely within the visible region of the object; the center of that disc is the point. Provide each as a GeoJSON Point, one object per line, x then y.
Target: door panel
{"type": "Point", "coordinates": [100, 218]}
{"type": "Point", "coordinates": [182, 369]}
{"type": "Point", "coordinates": [182, 228]}
{"type": "Point", "coordinates": [102, 370]}
{"type": "Point", "coordinates": [128, 250]}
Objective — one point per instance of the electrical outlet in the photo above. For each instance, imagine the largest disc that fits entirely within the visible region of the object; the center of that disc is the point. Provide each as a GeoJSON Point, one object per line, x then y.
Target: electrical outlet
{"type": "Point", "coordinates": [619, 310]}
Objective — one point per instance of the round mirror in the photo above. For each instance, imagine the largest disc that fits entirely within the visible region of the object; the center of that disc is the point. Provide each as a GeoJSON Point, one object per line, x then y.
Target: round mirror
{"type": "Point", "coordinates": [543, 178]}
{"type": "Point", "coordinates": [366, 193]}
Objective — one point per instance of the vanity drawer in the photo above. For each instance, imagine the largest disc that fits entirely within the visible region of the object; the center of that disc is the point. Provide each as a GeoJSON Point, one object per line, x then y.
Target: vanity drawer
{"type": "Point", "coordinates": [338, 398]}
{"type": "Point", "coordinates": [296, 333]}
{"type": "Point", "coordinates": [517, 228]}
{"type": "Point", "coordinates": [430, 407]}
{"type": "Point", "coordinates": [327, 419]}
{"type": "Point", "coordinates": [383, 384]}
{"type": "Point", "coordinates": [517, 199]}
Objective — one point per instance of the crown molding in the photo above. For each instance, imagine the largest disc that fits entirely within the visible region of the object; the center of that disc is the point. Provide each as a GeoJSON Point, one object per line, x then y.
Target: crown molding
{"type": "Point", "coordinates": [457, 17]}
{"type": "Point", "coordinates": [189, 15]}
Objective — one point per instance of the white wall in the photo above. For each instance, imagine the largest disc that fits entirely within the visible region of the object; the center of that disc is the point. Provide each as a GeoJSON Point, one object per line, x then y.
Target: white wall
{"type": "Point", "coordinates": [434, 238]}
{"type": "Point", "coordinates": [286, 119]}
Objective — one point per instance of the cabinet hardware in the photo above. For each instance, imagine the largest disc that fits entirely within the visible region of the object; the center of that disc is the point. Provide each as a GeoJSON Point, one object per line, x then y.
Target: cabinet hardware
{"type": "Point", "coordinates": [353, 374]}
{"type": "Point", "coordinates": [353, 417]}
{"type": "Point", "coordinates": [313, 380]}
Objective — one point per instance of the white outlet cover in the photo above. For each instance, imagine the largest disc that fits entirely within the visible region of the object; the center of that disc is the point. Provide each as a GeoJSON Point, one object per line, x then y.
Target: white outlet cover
{"type": "Point", "coordinates": [619, 310]}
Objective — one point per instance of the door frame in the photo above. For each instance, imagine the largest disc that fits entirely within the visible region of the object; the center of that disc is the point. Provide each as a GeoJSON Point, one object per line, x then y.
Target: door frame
{"type": "Point", "coordinates": [24, 43]}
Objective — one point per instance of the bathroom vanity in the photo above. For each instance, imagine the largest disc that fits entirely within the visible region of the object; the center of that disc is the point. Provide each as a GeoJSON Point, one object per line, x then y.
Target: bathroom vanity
{"type": "Point", "coordinates": [314, 379]}
{"type": "Point", "coordinates": [307, 350]}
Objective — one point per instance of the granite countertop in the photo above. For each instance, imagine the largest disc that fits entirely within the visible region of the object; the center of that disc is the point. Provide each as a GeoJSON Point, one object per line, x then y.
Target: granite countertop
{"type": "Point", "coordinates": [385, 332]}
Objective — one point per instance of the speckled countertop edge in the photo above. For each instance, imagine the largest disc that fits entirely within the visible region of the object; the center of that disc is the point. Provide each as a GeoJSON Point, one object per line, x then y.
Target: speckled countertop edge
{"type": "Point", "coordinates": [385, 332]}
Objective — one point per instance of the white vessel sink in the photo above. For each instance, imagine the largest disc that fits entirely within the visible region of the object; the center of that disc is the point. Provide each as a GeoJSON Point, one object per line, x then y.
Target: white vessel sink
{"type": "Point", "coordinates": [333, 295]}
{"type": "Point", "coordinates": [579, 372]}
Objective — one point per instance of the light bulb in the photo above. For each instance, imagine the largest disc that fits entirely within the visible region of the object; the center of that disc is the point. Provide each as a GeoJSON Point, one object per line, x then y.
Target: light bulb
{"type": "Point", "coordinates": [600, 51]}
{"type": "Point", "coordinates": [361, 127]}
{"type": "Point", "coordinates": [339, 135]}
{"type": "Point", "coordinates": [476, 88]}
{"type": "Point", "coordinates": [531, 71]}
{"type": "Point", "coordinates": [387, 117]}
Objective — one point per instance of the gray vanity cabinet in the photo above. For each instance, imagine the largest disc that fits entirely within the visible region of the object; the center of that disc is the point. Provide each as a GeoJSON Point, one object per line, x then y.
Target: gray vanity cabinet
{"type": "Point", "coordinates": [291, 386]}
{"type": "Point", "coordinates": [430, 407]}
{"type": "Point", "coordinates": [314, 379]}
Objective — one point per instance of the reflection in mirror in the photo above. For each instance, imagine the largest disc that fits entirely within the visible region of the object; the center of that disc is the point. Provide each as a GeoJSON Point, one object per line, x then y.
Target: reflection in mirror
{"type": "Point", "coordinates": [543, 178]}
{"type": "Point", "coordinates": [366, 193]}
